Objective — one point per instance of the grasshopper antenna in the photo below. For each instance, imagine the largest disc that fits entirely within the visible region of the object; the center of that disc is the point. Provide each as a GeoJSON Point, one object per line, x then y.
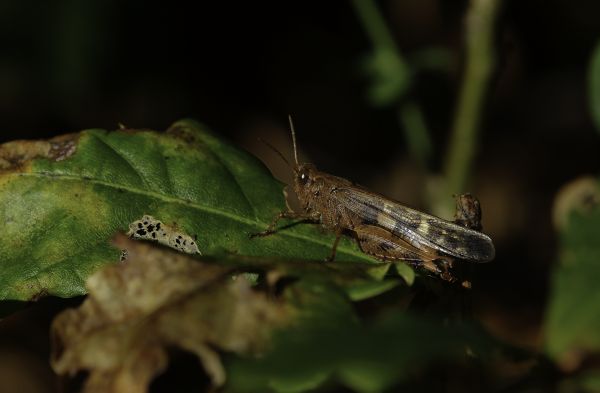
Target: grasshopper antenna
{"type": "Point", "coordinates": [280, 154]}
{"type": "Point", "coordinates": [293, 139]}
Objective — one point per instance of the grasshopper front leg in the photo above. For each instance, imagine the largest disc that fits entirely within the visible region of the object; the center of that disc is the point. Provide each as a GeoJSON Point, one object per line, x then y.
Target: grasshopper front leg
{"type": "Point", "coordinates": [271, 229]}
{"type": "Point", "coordinates": [331, 257]}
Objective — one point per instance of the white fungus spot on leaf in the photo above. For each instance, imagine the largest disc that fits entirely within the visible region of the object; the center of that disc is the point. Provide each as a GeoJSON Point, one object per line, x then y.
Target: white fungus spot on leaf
{"type": "Point", "coordinates": [149, 228]}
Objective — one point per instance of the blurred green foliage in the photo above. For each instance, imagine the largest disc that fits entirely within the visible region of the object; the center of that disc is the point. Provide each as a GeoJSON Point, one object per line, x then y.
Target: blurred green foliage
{"type": "Point", "coordinates": [331, 345]}
{"type": "Point", "coordinates": [573, 315]}
{"type": "Point", "coordinates": [388, 72]}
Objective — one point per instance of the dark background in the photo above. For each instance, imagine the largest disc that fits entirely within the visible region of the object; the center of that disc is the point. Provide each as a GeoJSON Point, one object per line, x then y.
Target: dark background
{"type": "Point", "coordinates": [241, 68]}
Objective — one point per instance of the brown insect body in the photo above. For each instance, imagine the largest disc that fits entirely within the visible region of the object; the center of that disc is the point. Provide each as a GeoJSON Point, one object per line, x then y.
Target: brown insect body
{"type": "Point", "coordinates": [341, 205]}
{"type": "Point", "coordinates": [385, 228]}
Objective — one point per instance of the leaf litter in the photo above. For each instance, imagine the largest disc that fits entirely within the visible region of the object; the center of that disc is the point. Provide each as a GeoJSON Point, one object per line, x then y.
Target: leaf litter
{"type": "Point", "coordinates": [155, 300]}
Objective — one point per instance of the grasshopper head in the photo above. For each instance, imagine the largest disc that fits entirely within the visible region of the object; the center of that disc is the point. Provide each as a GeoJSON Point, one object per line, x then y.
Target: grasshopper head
{"type": "Point", "coordinates": [304, 182]}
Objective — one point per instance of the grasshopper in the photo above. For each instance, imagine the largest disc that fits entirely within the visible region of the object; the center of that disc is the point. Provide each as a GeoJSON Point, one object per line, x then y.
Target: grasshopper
{"type": "Point", "coordinates": [382, 227]}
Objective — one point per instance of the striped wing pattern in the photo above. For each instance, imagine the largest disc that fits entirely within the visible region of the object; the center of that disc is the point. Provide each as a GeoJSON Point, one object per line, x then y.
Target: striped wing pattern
{"type": "Point", "coordinates": [417, 228]}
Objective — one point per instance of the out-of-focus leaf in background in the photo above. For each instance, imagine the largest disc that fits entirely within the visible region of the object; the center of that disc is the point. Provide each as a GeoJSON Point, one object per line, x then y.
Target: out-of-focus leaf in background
{"type": "Point", "coordinates": [328, 343]}
{"type": "Point", "coordinates": [572, 325]}
{"type": "Point", "coordinates": [389, 76]}
{"type": "Point", "coordinates": [61, 201]}
{"type": "Point", "coordinates": [388, 72]}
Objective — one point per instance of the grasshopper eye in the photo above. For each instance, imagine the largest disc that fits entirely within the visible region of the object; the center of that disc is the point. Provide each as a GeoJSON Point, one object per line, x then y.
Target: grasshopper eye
{"type": "Point", "coordinates": [303, 178]}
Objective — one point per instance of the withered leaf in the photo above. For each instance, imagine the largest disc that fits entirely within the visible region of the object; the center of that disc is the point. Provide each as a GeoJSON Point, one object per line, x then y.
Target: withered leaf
{"type": "Point", "coordinates": [154, 300]}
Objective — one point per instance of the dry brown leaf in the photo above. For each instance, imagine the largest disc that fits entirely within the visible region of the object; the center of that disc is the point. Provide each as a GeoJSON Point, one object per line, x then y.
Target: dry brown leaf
{"type": "Point", "coordinates": [17, 153]}
{"type": "Point", "coordinates": [154, 300]}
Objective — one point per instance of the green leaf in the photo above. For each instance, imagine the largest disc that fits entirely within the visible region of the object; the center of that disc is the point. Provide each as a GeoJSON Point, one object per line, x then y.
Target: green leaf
{"type": "Point", "coordinates": [327, 343]}
{"type": "Point", "coordinates": [358, 280]}
{"type": "Point", "coordinates": [406, 272]}
{"type": "Point", "coordinates": [573, 313]}
{"type": "Point", "coordinates": [62, 200]}
{"type": "Point", "coordinates": [368, 289]}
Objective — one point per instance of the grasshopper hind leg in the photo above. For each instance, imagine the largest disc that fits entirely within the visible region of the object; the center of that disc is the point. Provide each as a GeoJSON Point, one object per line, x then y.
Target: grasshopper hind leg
{"type": "Point", "coordinates": [385, 246]}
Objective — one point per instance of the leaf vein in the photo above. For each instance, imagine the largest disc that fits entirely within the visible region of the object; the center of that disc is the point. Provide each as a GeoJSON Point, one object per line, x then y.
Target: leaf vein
{"type": "Point", "coordinates": [123, 158]}
{"type": "Point", "coordinates": [166, 198]}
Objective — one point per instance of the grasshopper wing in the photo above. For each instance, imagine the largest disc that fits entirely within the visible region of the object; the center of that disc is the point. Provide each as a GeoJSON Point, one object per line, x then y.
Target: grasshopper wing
{"type": "Point", "coordinates": [419, 229]}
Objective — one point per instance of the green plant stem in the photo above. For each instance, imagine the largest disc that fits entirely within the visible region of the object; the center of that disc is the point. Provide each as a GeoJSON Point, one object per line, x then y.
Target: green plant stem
{"type": "Point", "coordinates": [417, 135]}
{"type": "Point", "coordinates": [479, 62]}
